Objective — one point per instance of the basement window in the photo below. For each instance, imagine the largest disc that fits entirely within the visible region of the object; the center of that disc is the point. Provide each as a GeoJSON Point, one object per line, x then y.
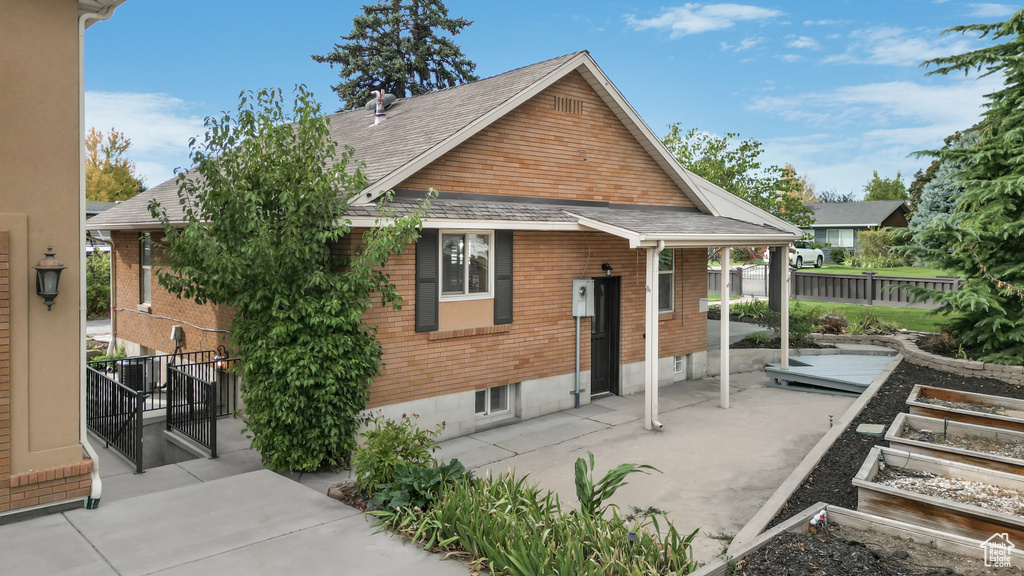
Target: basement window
{"type": "Point", "coordinates": [492, 401]}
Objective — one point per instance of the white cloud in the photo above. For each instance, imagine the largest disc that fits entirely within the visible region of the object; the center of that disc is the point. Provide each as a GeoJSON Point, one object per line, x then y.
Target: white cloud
{"type": "Point", "coordinates": [884, 123]}
{"type": "Point", "coordinates": [991, 10]}
{"type": "Point", "coordinates": [158, 125]}
{"type": "Point", "coordinates": [804, 42]}
{"type": "Point", "coordinates": [791, 58]}
{"type": "Point", "coordinates": [821, 22]}
{"type": "Point", "coordinates": [896, 47]}
{"type": "Point", "coordinates": [745, 44]}
{"type": "Point", "coordinates": [694, 18]}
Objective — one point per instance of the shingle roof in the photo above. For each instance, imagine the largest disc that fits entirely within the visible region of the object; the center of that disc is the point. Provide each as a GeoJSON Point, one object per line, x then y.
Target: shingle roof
{"type": "Point", "coordinates": [867, 213]}
{"type": "Point", "coordinates": [413, 125]}
{"type": "Point", "coordinates": [655, 222]}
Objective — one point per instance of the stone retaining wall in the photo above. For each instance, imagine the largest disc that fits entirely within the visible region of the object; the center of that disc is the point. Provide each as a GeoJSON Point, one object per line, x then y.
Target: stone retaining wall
{"type": "Point", "coordinates": [904, 343]}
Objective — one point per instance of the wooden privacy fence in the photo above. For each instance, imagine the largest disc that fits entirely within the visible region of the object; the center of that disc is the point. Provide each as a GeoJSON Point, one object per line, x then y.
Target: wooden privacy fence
{"type": "Point", "coordinates": [866, 288]}
{"type": "Point", "coordinates": [715, 281]}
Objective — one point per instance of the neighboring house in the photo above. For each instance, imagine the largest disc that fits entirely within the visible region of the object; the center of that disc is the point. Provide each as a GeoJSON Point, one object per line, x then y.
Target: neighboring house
{"type": "Point", "coordinates": [546, 176]}
{"type": "Point", "coordinates": [44, 451]}
{"type": "Point", "coordinates": [837, 223]}
{"type": "Point", "coordinates": [96, 239]}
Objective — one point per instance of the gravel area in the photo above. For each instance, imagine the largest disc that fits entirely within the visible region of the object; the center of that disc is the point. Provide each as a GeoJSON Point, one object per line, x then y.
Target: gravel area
{"type": "Point", "coordinates": [974, 443]}
{"type": "Point", "coordinates": [973, 493]}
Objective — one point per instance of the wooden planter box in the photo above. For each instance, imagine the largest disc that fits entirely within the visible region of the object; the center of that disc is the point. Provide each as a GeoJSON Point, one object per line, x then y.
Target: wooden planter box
{"type": "Point", "coordinates": [949, 543]}
{"type": "Point", "coordinates": [896, 439]}
{"type": "Point", "coordinates": [1008, 422]}
{"type": "Point", "coordinates": [928, 511]}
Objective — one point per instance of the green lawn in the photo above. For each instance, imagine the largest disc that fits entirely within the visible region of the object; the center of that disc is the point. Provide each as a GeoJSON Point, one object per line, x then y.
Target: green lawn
{"type": "Point", "coordinates": [908, 271]}
{"type": "Point", "coordinates": [917, 319]}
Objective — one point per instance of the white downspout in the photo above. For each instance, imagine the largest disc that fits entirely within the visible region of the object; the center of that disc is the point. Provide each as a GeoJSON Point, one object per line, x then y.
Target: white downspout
{"type": "Point", "coordinates": [97, 483]}
{"type": "Point", "coordinates": [724, 347]}
{"type": "Point", "coordinates": [651, 342]}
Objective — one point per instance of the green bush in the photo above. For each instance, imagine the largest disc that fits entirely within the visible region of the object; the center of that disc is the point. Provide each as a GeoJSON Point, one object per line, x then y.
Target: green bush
{"type": "Point", "coordinates": [511, 527]}
{"type": "Point", "coordinates": [873, 325]}
{"type": "Point", "coordinates": [97, 284]}
{"type": "Point", "coordinates": [754, 310]}
{"type": "Point", "coordinates": [387, 443]}
{"type": "Point", "coordinates": [418, 486]}
{"type": "Point", "coordinates": [838, 255]}
{"type": "Point", "coordinates": [883, 248]}
{"type": "Point", "coordinates": [758, 338]}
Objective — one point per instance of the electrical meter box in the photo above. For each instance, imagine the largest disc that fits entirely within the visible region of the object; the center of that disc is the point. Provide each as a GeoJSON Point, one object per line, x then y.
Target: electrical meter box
{"type": "Point", "coordinates": [582, 297]}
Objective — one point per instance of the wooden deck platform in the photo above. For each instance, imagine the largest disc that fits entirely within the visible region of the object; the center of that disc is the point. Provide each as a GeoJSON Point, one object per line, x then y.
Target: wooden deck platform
{"type": "Point", "coordinates": [846, 374]}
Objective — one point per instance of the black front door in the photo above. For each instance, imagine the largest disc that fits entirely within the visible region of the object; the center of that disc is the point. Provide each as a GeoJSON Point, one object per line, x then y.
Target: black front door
{"type": "Point", "coordinates": [604, 337]}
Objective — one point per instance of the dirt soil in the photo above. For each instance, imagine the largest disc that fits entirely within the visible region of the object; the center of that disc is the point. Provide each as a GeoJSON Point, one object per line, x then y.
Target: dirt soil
{"type": "Point", "coordinates": [831, 480]}
{"type": "Point", "coordinates": [838, 551]}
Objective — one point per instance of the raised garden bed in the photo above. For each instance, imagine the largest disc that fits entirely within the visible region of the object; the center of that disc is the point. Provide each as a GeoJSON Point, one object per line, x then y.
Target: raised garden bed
{"type": "Point", "coordinates": [853, 542]}
{"type": "Point", "coordinates": [948, 496]}
{"type": "Point", "coordinates": [969, 407]}
{"type": "Point", "coordinates": [984, 446]}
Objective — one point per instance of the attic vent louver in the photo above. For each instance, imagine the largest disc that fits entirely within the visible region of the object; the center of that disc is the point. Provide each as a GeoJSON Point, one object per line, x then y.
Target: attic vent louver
{"type": "Point", "coordinates": [569, 106]}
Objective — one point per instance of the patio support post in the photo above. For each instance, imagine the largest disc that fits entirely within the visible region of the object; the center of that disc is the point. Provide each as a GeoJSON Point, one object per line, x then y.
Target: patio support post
{"type": "Point", "coordinates": [724, 349]}
{"type": "Point", "coordinates": [651, 342]}
{"type": "Point", "coordinates": [784, 315]}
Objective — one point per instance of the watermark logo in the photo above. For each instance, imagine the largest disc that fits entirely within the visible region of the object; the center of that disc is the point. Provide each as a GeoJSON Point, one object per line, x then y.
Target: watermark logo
{"type": "Point", "coordinates": [997, 550]}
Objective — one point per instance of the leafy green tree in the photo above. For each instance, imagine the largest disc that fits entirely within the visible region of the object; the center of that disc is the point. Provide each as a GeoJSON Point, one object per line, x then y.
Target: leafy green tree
{"type": "Point", "coordinates": [109, 175]}
{"type": "Point", "coordinates": [97, 284]}
{"type": "Point", "coordinates": [798, 186]}
{"type": "Point", "coordinates": [982, 240]}
{"type": "Point", "coordinates": [833, 196]}
{"type": "Point", "coordinates": [263, 203]}
{"type": "Point", "coordinates": [879, 188]}
{"type": "Point", "coordinates": [399, 46]}
{"type": "Point", "coordinates": [736, 168]}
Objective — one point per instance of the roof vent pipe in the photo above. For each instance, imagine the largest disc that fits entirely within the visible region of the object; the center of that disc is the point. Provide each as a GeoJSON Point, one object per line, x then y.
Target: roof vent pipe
{"type": "Point", "coordinates": [379, 115]}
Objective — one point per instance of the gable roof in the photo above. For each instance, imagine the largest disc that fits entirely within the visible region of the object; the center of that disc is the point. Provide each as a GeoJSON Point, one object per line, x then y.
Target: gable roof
{"type": "Point", "coordinates": [865, 213]}
{"type": "Point", "coordinates": [420, 129]}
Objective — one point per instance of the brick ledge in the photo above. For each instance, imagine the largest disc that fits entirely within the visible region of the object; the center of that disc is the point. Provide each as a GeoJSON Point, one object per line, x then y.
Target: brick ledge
{"type": "Point", "coordinates": [466, 332]}
{"type": "Point", "coordinates": [48, 474]}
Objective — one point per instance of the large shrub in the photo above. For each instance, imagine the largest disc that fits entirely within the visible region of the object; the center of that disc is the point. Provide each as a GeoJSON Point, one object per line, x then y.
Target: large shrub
{"type": "Point", "coordinates": [266, 196]}
{"type": "Point", "coordinates": [838, 255]}
{"type": "Point", "coordinates": [883, 248]}
{"type": "Point", "coordinates": [97, 284]}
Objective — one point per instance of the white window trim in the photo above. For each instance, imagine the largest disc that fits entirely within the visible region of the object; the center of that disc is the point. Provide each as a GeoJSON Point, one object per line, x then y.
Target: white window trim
{"type": "Point", "coordinates": [489, 295]}
{"type": "Point", "coordinates": [487, 414]}
{"type": "Point", "coordinates": [839, 232]}
{"type": "Point", "coordinates": [145, 270]}
{"type": "Point", "coordinates": [672, 294]}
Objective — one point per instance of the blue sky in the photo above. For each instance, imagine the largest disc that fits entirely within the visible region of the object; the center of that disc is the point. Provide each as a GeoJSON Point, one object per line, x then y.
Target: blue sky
{"type": "Point", "coordinates": [833, 88]}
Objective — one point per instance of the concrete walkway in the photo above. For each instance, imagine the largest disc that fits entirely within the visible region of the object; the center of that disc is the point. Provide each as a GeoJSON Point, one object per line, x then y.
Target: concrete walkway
{"type": "Point", "coordinates": [230, 516]}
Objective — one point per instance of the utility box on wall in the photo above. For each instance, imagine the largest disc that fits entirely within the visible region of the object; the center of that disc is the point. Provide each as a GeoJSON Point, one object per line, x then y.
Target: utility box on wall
{"type": "Point", "coordinates": [582, 297]}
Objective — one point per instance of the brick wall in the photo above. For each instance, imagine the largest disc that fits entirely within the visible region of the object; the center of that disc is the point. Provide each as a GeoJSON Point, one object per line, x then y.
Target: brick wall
{"type": "Point", "coordinates": [541, 340]}
{"type": "Point", "coordinates": [537, 151]}
{"type": "Point", "coordinates": [5, 371]}
{"type": "Point", "coordinates": [152, 328]}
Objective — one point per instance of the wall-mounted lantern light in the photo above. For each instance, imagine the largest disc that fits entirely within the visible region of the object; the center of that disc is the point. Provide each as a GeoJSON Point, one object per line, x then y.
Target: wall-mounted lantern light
{"type": "Point", "coordinates": [48, 277]}
{"type": "Point", "coordinates": [607, 269]}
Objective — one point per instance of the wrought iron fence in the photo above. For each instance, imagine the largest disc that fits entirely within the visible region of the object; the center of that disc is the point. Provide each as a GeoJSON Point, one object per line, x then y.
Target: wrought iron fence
{"type": "Point", "coordinates": [114, 413]}
{"type": "Point", "coordinates": [149, 373]}
{"type": "Point", "coordinates": [192, 407]}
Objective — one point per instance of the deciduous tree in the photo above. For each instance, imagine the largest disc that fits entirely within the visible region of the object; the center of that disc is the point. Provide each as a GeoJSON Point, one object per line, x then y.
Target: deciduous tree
{"type": "Point", "coordinates": [265, 199]}
{"type": "Point", "coordinates": [735, 166]}
{"type": "Point", "coordinates": [982, 240]}
{"type": "Point", "coordinates": [399, 46]}
{"type": "Point", "coordinates": [109, 174]}
{"type": "Point", "coordinates": [796, 185]}
{"type": "Point", "coordinates": [879, 188]}
{"type": "Point", "coordinates": [833, 196]}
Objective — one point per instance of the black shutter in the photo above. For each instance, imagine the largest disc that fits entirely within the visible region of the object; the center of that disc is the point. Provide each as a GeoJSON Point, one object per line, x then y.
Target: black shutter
{"type": "Point", "coordinates": [502, 277]}
{"type": "Point", "coordinates": [426, 281]}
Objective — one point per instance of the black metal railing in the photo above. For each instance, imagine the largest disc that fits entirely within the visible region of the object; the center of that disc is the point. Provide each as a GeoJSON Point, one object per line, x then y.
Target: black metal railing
{"type": "Point", "coordinates": [114, 413]}
{"type": "Point", "coordinates": [149, 373]}
{"type": "Point", "coordinates": [192, 407]}
{"type": "Point", "coordinates": [225, 373]}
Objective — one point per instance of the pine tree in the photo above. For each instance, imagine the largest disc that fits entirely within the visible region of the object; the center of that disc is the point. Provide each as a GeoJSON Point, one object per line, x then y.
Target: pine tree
{"type": "Point", "coordinates": [937, 194]}
{"type": "Point", "coordinates": [983, 239]}
{"type": "Point", "coordinates": [399, 46]}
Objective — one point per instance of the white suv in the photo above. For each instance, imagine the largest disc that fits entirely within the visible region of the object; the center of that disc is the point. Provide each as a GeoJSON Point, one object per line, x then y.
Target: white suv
{"type": "Point", "coordinates": [802, 253]}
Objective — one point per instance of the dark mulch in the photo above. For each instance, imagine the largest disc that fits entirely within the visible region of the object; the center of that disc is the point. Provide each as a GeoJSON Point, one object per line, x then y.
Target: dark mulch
{"type": "Point", "coordinates": [831, 480]}
{"type": "Point", "coordinates": [776, 343]}
{"type": "Point", "coordinates": [829, 555]}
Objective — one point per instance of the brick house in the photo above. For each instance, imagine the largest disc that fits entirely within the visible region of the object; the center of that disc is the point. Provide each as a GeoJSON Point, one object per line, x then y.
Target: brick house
{"type": "Point", "coordinates": [546, 176]}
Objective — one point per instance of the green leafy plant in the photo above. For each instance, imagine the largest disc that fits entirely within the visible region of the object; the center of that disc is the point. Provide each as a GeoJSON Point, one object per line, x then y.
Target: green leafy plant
{"type": "Point", "coordinates": [838, 255]}
{"type": "Point", "coordinates": [871, 324]}
{"type": "Point", "coordinates": [97, 284]}
{"type": "Point", "coordinates": [414, 486]}
{"type": "Point", "coordinates": [753, 310]}
{"type": "Point", "coordinates": [266, 196]}
{"type": "Point", "coordinates": [388, 443]}
{"type": "Point", "coordinates": [592, 496]}
{"type": "Point", "coordinates": [759, 338]}
{"type": "Point", "coordinates": [108, 360]}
